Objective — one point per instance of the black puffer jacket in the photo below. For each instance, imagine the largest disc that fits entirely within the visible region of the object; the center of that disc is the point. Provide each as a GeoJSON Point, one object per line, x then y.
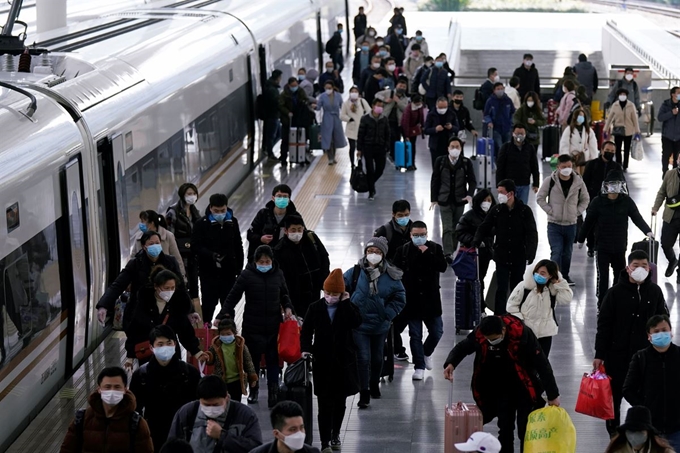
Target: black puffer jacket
{"type": "Point", "coordinates": [595, 172]}
{"type": "Point", "coordinates": [266, 293]}
{"type": "Point", "coordinates": [265, 223]}
{"type": "Point", "coordinates": [652, 381]}
{"type": "Point", "coordinates": [450, 184]}
{"type": "Point", "coordinates": [528, 80]}
{"type": "Point", "coordinates": [374, 133]}
{"type": "Point", "coordinates": [610, 220]}
{"type": "Point", "coordinates": [518, 164]}
{"type": "Point", "coordinates": [396, 237]}
{"type": "Point", "coordinates": [472, 219]}
{"type": "Point", "coordinates": [515, 231]}
{"type": "Point", "coordinates": [181, 225]}
{"type": "Point", "coordinates": [211, 239]}
{"type": "Point", "coordinates": [439, 141]}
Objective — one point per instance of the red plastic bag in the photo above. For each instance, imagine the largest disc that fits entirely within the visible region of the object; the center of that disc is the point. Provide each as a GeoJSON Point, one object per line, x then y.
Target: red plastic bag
{"type": "Point", "coordinates": [205, 337]}
{"type": "Point", "coordinates": [595, 396]}
{"type": "Point", "coordinates": [289, 341]}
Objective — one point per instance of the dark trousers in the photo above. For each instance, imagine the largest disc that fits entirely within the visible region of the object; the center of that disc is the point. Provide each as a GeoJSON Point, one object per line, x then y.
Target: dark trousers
{"type": "Point", "coordinates": [399, 324]}
{"type": "Point", "coordinates": [267, 345]}
{"type": "Point", "coordinates": [434, 153]}
{"type": "Point", "coordinates": [352, 149]}
{"type": "Point", "coordinates": [214, 289]}
{"type": "Point", "coordinates": [669, 236]}
{"type": "Point", "coordinates": [375, 165]}
{"type": "Point", "coordinates": [431, 103]}
{"type": "Point", "coordinates": [191, 268]}
{"type": "Point", "coordinates": [331, 414]}
{"type": "Point", "coordinates": [395, 136]}
{"type": "Point", "coordinates": [370, 349]}
{"type": "Point", "coordinates": [512, 405]}
{"type": "Point", "coordinates": [669, 149]}
{"type": "Point", "coordinates": [271, 128]}
{"type": "Point", "coordinates": [285, 145]}
{"type": "Point", "coordinates": [338, 62]}
{"type": "Point", "coordinates": [546, 344]}
{"type": "Point", "coordinates": [625, 141]}
{"type": "Point", "coordinates": [235, 391]}
{"type": "Point", "coordinates": [507, 277]}
{"type": "Point", "coordinates": [605, 259]}
{"type": "Point", "coordinates": [617, 370]}
{"type": "Point", "coordinates": [413, 149]}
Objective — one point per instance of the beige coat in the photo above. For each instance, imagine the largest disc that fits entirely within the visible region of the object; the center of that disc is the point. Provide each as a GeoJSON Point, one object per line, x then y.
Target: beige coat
{"type": "Point", "coordinates": [577, 142]}
{"type": "Point", "coordinates": [669, 188]}
{"type": "Point", "coordinates": [617, 117]}
{"type": "Point", "coordinates": [560, 210]}
{"type": "Point", "coordinates": [168, 243]}
{"type": "Point", "coordinates": [346, 114]}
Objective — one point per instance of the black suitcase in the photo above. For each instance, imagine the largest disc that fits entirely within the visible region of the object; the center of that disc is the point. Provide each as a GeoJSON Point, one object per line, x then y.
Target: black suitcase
{"type": "Point", "coordinates": [388, 356]}
{"type": "Point", "coordinates": [468, 300]}
{"type": "Point", "coordinates": [303, 395]}
{"type": "Point", "coordinates": [551, 141]}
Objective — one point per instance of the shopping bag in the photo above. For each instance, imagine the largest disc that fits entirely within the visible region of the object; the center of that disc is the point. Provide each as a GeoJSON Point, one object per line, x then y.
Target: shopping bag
{"type": "Point", "coordinates": [550, 429]}
{"type": "Point", "coordinates": [595, 396]}
{"type": "Point", "coordinates": [465, 263]}
{"type": "Point", "coordinates": [289, 341]}
{"type": "Point", "coordinates": [636, 150]}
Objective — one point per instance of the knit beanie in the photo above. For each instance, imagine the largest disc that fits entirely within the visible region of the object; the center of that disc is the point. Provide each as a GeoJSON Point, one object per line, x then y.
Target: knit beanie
{"type": "Point", "coordinates": [335, 283]}
{"type": "Point", "coordinates": [378, 242]}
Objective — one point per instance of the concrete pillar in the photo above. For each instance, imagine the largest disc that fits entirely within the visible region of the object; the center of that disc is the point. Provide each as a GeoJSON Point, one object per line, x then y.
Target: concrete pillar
{"type": "Point", "coordinates": [50, 14]}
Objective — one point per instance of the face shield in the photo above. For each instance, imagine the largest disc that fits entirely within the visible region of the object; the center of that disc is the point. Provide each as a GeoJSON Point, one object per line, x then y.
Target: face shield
{"type": "Point", "coordinates": [614, 187]}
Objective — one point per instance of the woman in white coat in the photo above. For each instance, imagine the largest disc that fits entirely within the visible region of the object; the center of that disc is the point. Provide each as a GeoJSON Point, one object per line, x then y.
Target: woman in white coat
{"type": "Point", "coordinates": [152, 221]}
{"type": "Point", "coordinates": [579, 141]}
{"type": "Point", "coordinates": [534, 300]}
{"type": "Point", "coordinates": [352, 110]}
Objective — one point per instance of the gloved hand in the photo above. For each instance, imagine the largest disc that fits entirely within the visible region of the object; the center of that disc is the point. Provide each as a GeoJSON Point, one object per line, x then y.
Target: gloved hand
{"type": "Point", "coordinates": [580, 245]}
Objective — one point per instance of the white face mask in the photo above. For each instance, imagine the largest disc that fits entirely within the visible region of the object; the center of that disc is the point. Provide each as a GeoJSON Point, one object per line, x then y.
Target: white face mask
{"type": "Point", "coordinates": [191, 199]}
{"type": "Point", "coordinates": [329, 91]}
{"type": "Point", "coordinates": [212, 411]}
{"type": "Point", "coordinates": [112, 397]}
{"type": "Point", "coordinates": [380, 43]}
{"type": "Point", "coordinates": [497, 79]}
{"type": "Point", "coordinates": [415, 107]}
{"type": "Point", "coordinates": [485, 205]}
{"type": "Point", "coordinates": [454, 152]}
{"type": "Point", "coordinates": [166, 295]}
{"type": "Point", "coordinates": [373, 258]}
{"type": "Point", "coordinates": [441, 111]}
{"type": "Point", "coordinates": [530, 104]}
{"type": "Point", "coordinates": [391, 67]}
{"type": "Point", "coordinates": [566, 171]}
{"type": "Point", "coordinates": [375, 65]}
{"type": "Point", "coordinates": [295, 237]}
{"type": "Point", "coordinates": [528, 62]}
{"type": "Point", "coordinates": [295, 441]}
{"type": "Point", "coordinates": [329, 69]}
{"type": "Point", "coordinates": [639, 274]}
{"type": "Point", "coordinates": [629, 77]}
{"type": "Point", "coordinates": [354, 95]}
{"type": "Point", "coordinates": [502, 198]}
{"type": "Point", "coordinates": [623, 98]}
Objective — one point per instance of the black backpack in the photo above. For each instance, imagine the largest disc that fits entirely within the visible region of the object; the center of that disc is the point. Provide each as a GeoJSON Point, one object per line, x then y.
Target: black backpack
{"type": "Point", "coordinates": [79, 425]}
{"type": "Point", "coordinates": [553, 301]}
{"type": "Point", "coordinates": [478, 101]}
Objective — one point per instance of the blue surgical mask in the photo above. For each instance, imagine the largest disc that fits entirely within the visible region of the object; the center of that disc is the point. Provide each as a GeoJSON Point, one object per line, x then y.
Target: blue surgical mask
{"type": "Point", "coordinates": [220, 217]}
{"type": "Point", "coordinates": [541, 280]}
{"type": "Point", "coordinates": [281, 202]}
{"type": "Point", "coordinates": [364, 48]}
{"type": "Point", "coordinates": [301, 77]}
{"type": "Point", "coordinates": [143, 228]}
{"type": "Point", "coordinates": [164, 353]}
{"type": "Point", "coordinates": [340, 31]}
{"type": "Point", "coordinates": [227, 339]}
{"type": "Point", "coordinates": [154, 250]}
{"type": "Point", "coordinates": [418, 241]}
{"type": "Point", "coordinates": [439, 64]}
{"type": "Point", "coordinates": [419, 38]}
{"type": "Point", "coordinates": [264, 269]}
{"type": "Point", "coordinates": [293, 89]}
{"type": "Point", "coordinates": [399, 31]}
{"type": "Point", "coordinates": [580, 119]}
{"type": "Point", "coordinates": [402, 221]}
{"type": "Point", "coordinates": [382, 53]}
{"type": "Point", "coordinates": [661, 339]}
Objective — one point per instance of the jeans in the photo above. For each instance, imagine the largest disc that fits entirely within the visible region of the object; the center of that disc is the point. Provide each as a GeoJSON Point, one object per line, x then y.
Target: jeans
{"type": "Point", "coordinates": [214, 290]}
{"type": "Point", "coordinates": [450, 216]}
{"type": "Point", "coordinates": [617, 261]}
{"type": "Point", "coordinates": [561, 239]}
{"type": "Point", "coordinates": [669, 236]}
{"type": "Point", "coordinates": [338, 62]}
{"type": "Point", "coordinates": [420, 350]}
{"type": "Point", "coordinates": [625, 141]}
{"type": "Point", "coordinates": [522, 193]}
{"type": "Point", "coordinates": [669, 149]}
{"type": "Point", "coordinates": [673, 439]}
{"type": "Point", "coordinates": [331, 413]}
{"type": "Point", "coordinates": [369, 356]}
{"type": "Point", "coordinates": [507, 277]}
{"type": "Point", "coordinates": [375, 165]}
{"type": "Point", "coordinates": [498, 140]}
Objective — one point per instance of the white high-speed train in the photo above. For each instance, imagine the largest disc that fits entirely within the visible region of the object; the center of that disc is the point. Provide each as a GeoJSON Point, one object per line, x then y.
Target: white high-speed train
{"type": "Point", "coordinates": [127, 107]}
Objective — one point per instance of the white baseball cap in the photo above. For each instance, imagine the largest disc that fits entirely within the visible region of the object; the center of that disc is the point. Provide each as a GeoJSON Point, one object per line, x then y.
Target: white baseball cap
{"type": "Point", "coordinates": [481, 441]}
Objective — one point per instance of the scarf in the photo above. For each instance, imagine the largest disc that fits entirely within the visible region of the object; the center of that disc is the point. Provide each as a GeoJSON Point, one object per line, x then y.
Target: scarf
{"type": "Point", "coordinates": [374, 273]}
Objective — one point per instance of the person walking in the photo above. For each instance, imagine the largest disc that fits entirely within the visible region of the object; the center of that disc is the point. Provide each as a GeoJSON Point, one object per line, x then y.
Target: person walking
{"type": "Point", "coordinates": [373, 140]}
{"type": "Point", "coordinates": [360, 23]}
{"type": "Point", "coordinates": [332, 135]}
{"type": "Point", "coordinates": [463, 115]}
{"type": "Point", "coordinates": [441, 124]}
{"type": "Point", "coordinates": [268, 226]}
{"type": "Point", "coordinates": [530, 114]}
{"type": "Point", "coordinates": [670, 130]}
{"type": "Point", "coordinates": [668, 194]}
{"type": "Point", "coordinates": [352, 110]}
{"type": "Point", "coordinates": [529, 79]}
{"type": "Point", "coordinates": [498, 113]}
{"type": "Point", "coordinates": [586, 75]}
{"type": "Point", "coordinates": [579, 141]}
{"type": "Point", "coordinates": [517, 161]}
{"type": "Point", "coordinates": [436, 83]}
{"type": "Point", "coordinates": [413, 124]}
{"type": "Point", "coordinates": [152, 221]}
{"type": "Point", "coordinates": [628, 83]}
{"type": "Point", "coordinates": [622, 123]}
{"type": "Point", "coordinates": [296, 111]}
{"type": "Point", "coordinates": [566, 107]}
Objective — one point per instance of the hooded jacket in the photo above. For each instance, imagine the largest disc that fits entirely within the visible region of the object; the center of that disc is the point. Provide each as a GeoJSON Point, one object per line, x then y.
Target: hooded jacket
{"type": "Point", "coordinates": [671, 123]}
{"type": "Point", "coordinates": [528, 80]}
{"type": "Point", "coordinates": [265, 223]}
{"type": "Point", "coordinates": [565, 107]}
{"type": "Point", "coordinates": [244, 362]}
{"type": "Point", "coordinates": [560, 209]}
{"type": "Point", "coordinates": [413, 121]}
{"type": "Point", "coordinates": [518, 163]}
{"type": "Point", "coordinates": [609, 218]}
{"type": "Point", "coordinates": [451, 183]}
{"type": "Point", "coordinates": [537, 311]}
{"type": "Point", "coordinates": [499, 111]}
{"type": "Point", "coordinates": [108, 435]}
{"type": "Point", "coordinates": [574, 141]}
{"type": "Point", "coordinates": [168, 243]}
{"type": "Point", "coordinates": [472, 219]}
{"type": "Point", "coordinates": [587, 76]}
{"type": "Point", "coordinates": [670, 187]}
{"type": "Point", "coordinates": [211, 238]}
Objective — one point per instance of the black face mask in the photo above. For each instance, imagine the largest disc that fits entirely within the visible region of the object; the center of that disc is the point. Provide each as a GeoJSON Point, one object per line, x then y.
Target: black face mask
{"type": "Point", "coordinates": [609, 156]}
{"type": "Point", "coordinates": [458, 101]}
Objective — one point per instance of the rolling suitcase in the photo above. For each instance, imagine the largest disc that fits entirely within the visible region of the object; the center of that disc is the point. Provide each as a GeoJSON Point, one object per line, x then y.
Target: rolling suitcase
{"type": "Point", "coordinates": [315, 137]}
{"type": "Point", "coordinates": [482, 164]}
{"type": "Point", "coordinates": [304, 396]}
{"type": "Point", "coordinates": [651, 246]}
{"type": "Point", "coordinates": [598, 128]}
{"type": "Point", "coordinates": [403, 155]}
{"type": "Point", "coordinates": [298, 145]}
{"type": "Point", "coordinates": [460, 421]}
{"type": "Point", "coordinates": [388, 356]}
{"type": "Point", "coordinates": [468, 302]}
{"type": "Point", "coordinates": [551, 141]}
{"type": "Point", "coordinates": [485, 146]}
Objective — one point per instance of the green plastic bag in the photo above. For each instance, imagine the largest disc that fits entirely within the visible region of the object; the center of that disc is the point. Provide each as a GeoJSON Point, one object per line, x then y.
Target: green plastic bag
{"type": "Point", "coordinates": [550, 430]}
{"type": "Point", "coordinates": [554, 162]}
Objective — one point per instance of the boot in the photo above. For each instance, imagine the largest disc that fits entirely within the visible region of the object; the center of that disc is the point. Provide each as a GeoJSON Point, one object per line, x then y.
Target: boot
{"type": "Point", "coordinates": [272, 395]}
{"type": "Point", "coordinates": [254, 393]}
{"type": "Point", "coordinates": [364, 399]}
{"type": "Point", "coordinates": [375, 390]}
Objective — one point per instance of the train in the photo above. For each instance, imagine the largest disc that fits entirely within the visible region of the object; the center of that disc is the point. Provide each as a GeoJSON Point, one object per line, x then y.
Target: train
{"type": "Point", "coordinates": [123, 109]}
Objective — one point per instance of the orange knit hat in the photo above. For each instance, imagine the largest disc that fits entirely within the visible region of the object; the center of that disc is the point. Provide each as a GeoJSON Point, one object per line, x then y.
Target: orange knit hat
{"type": "Point", "coordinates": [335, 283]}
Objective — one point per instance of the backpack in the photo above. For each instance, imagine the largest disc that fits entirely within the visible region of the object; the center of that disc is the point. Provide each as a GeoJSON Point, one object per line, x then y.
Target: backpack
{"type": "Point", "coordinates": [259, 106]}
{"type": "Point", "coordinates": [79, 424]}
{"type": "Point", "coordinates": [356, 272]}
{"type": "Point", "coordinates": [478, 101]}
{"type": "Point", "coordinates": [553, 301]}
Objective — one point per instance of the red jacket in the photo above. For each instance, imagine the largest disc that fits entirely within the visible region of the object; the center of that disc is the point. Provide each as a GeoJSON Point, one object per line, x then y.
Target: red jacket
{"type": "Point", "coordinates": [413, 121]}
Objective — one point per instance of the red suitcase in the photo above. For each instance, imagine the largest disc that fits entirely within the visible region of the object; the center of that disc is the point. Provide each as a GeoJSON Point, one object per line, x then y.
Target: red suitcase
{"type": "Point", "coordinates": [205, 337]}
{"type": "Point", "coordinates": [460, 421]}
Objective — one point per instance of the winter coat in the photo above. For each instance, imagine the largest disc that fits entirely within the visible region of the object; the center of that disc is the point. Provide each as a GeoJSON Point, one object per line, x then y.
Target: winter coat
{"type": "Point", "coordinates": [518, 163]}
{"type": "Point", "coordinates": [358, 67]}
{"type": "Point", "coordinates": [564, 109]}
{"type": "Point", "coordinates": [574, 141]}
{"type": "Point", "coordinates": [374, 133]}
{"type": "Point", "coordinates": [670, 187]}
{"type": "Point", "coordinates": [241, 431]}
{"type": "Point", "coordinates": [390, 106]}
{"type": "Point", "coordinates": [395, 235]}
{"type": "Point", "coordinates": [533, 373]}
{"type": "Point", "coordinates": [146, 317]}
{"type": "Point", "coordinates": [265, 223]}
{"type": "Point", "coordinates": [537, 311]}
{"type": "Point", "coordinates": [399, 19]}
{"type": "Point", "coordinates": [421, 279]}
{"type": "Point", "coordinates": [108, 435]}
{"type": "Point", "coordinates": [396, 48]}
{"type": "Point", "coordinates": [270, 97]}
{"type": "Point", "coordinates": [633, 92]}
{"type": "Point", "coordinates": [305, 266]}
{"type": "Point", "coordinates": [671, 123]}
{"type": "Point", "coordinates": [366, 75]}
{"type": "Point", "coordinates": [451, 183]}
{"type": "Point", "coordinates": [594, 175]}
{"type": "Point", "coordinates": [563, 210]}
{"type": "Point", "coordinates": [353, 118]}
{"type": "Point", "coordinates": [211, 239]}
{"type": "Point", "coordinates": [463, 116]}
{"type": "Point", "coordinates": [410, 68]}
{"type": "Point", "coordinates": [360, 22]}
{"type": "Point", "coordinates": [522, 116]}
{"type": "Point", "coordinates": [371, 87]}
{"type": "Point", "coordinates": [377, 310]}
{"type": "Point", "coordinates": [621, 324]}
{"type": "Point", "coordinates": [486, 90]}
{"type": "Point", "coordinates": [271, 448]}
{"type": "Point", "coordinates": [587, 76]}
{"type": "Point", "coordinates": [610, 220]}
{"type": "Point", "coordinates": [298, 104]}
{"type": "Point", "coordinates": [244, 362]}
{"type": "Point", "coordinates": [266, 294]}
{"type": "Point", "coordinates": [424, 48]}
{"type": "Point", "coordinates": [436, 83]}
{"type": "Point", "coordinates": [513, 94]}
{"type": "Point", "coordinates": [331, 125]}
{"type": "Point", "coordinates": [181, 225]}
{"type": "Point", "coordinates": [160, 391]}
{"type": "Point", "coordinates": [168, 243]}
{"type": "Point", "coordinates": [470, 222]}
{"type": "Point", "coordinates": [439, 141]}
{"type": "Point", "coordinates": [620, 117]}
{"type": "Point", "coordinates": [413, 121]}
{"type": "Point", "coordinates": [515, 233]}
{"type": "Point", "coordinates": [528, 80]}
{"type": "Point", "coordinates": [499, 111]}
{"type": "Point", "coordinates": [337, 81]}
{"type": "Point", "coordinates": [559, 87]}
{"type": "Point", "coordinates": [335, 354]}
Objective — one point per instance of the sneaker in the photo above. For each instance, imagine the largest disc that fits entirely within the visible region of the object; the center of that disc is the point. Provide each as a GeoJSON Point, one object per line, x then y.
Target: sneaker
{"type": "Point", "coordinates": [371, 196]}
{"type": "Point", "coordinates": [335, 443]}
{"type": "Point", "coordinates": [375, 391]}
{"type": "Point", "coordinates": [364, 399]}
{"type": "Point", "coordinates": [570, 281]}
{"type": "Point", "coordinates": [401, 357]}
{"type": "Point", "coordinates": [428, 362]}
{"type": "Point", "coordinates": [418, 375]}
{"type": "Point", "coordinates": [671, 267]}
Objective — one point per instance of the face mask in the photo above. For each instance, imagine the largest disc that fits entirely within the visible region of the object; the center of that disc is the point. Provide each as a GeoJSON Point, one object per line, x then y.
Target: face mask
{"type": "Point", "coordinates": [528, 62]}
{"type": "Point", "coordinates": [441, 111]}
{"type": "Point", "coordinates": [154, 250]}
{"type": "Point", "coordinates": [383, 53]}
{"type": "Point", "coordinates": [518, 138]}
{"type": "Point", "coordinates": [399, 31]}
{"type": "Point", "coordinates": [301, 77]}
{"type": "Point", "coordinates": [164, 353]}
{"type": "Point", "coordinates": [166, 295]}
{"type": "Point", "coordinates": [502, 198]}
{"type": "Point", "coordinates": [364, 48]}
{"type": "Point", "coordinates": [566, 171]}
{"type": "Point", "coordinates": [458, 101]}
{"type": "Point", "coordinates": [565, 89]}
{"type": "Point", "coordinates": [354, 95]}
{"type": "Point", "coordinates": [623, 98]}
{"type": "Point", "coordinates": [371, 33]}
{"type": "Point", "coordinates": [636, 438]}
{"type": "Point", "coordinates": [281, 202]}
{"type": "Point", "coordinates": [373, 258]}
{"type": "Point", "coordinates": [143, 228]}
{"type": "Point", "coordinates": [639, 274]}
{"type": "Point", "coordinates": [609, 156]}
{"type": "Point", "coordinates": [454, 152]}
{"type": "Point", "coordinates": [112, 397]}
{"type": "Point", "coordinates": [530, 104]}
{"type": "Point", "coordinates": [580, 119]}
{"type": "Point", "coordinates": [331, 300]}
{"type": "Point", "coordinates": [418, 241]}
{"type": "Point", "coordinates": [419, 38]}
{"type": "Point", "coordinates": [428, 64]}
{"type": "Point", "coordinates": [378, 110]}
{"type": "Point", "coordinates": [439, 64]}
{"type": "Point", "coordinates": [295, 237]}
{"type": "Point", "coordinates": [293, 89]}
{"type": "Point", "coordinates": [264, 269]}
{"type": "Point", "coordinates": [661, 339]}
{"type": "Point", "coordinates": [329, 92]}
{"type": "Point", "coordinates": [220, 217]}
{"type": "Point", "coordinates": [340, 31]}
{"type": "Point", "coordinates": [486, 205]}
{"type": "Point", "coordinates": [495, 342]}
{"type": "Point", "coordinates": [380, 43]}
{"type": "Point", "coordinates": [629, 77]}
{"type": "Point", "coordinates": [212, 411]}
{"type": "Point", "coordinates": [227, 339]}
{"type": "Point", "coordinates": [415, 106]}
{"type": "Point", "coordinates": [402, 221]}
{"type": "Point", "coordinates": [295, 441]}
{"type": "Point", "coordinates": [497, 79]}
{"type": "Point", "coordinates": [375, 65]}
{"type": "Point", "coordinates": [329, 69]}
{"type": "Point", "coordinates": [541, 280]}
{"type": "Point", "coordinates": [391, 67]}
{"type": "Point", "coordinates": [499, 93]}
{"type": "Point", "coordinates": [191, 199]}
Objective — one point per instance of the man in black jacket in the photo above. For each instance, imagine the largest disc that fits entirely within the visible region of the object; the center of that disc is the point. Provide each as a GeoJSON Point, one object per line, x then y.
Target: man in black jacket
{"type": "Point", "coordinates": [270, 114]}
{"type": "Point", "coordinates": [268, 227]}
{"type": "Point", "coordinates": [362, 62]}
{"type": "Point", "coordinates": [653, 377]}
{"type": "Point", "coordinates": [422, 261]}
{"type": "Point", "coordinates": [374, 84]}
{"type": "Point", "coordinates": [608, 215]}
{"type": "Point", "coordinates": [360, 23]}
{"type": "Point", "coordinates": [463, 116]}
{"type": "Point", "coordinates": [510, 373]}
{"type": "Point", "coordinates": [441, 124]}
{"type": "Point", "coordinates": [216, 241]}
{"type": "Point", "coordinates": [528, 76]}
{"type": "Point", "coordinates": [396, 42]}
{"type": "Point", "coordinates": [373, 141]}
{"type": "Point", "coordinates": [289, 430]}
{"type": "Point", "coordinates": [334, 49]}
{"type": "Point", "coordinates": [452, 186]}
{"type": "Point", "coordinates": [367, 73]}
{"type": "Point", "coordinates": [621, 324]}
{"type": "Point", "coordinates": [516, 239]}
{"type": "Point", "coordinates": [304, 261]}
{"type": "Point", "coordinates": [517, 161]}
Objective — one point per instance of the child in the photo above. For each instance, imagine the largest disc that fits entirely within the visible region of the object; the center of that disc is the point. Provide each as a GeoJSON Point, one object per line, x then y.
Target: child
{"type": "Point", "coordinates": [231, 358]}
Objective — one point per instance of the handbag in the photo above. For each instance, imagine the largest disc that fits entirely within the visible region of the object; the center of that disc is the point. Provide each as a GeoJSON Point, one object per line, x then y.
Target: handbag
{"type": "Point", "coordinates": [619, 131]}
{"type": "Point", "coordinates": [579, 158]}
{"type": "Point", "coordinates": [296, 374]}
{"type": "Point", "coordinates": [359, 179]}
{"type": "Point", "coordinates": [143, 350]}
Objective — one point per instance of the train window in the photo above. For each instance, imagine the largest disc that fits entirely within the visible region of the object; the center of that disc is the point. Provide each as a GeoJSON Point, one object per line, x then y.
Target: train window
{"type": "Point", "coordinates": [12, 216]}
{"type": "Point", "coordinates": [128, 142]}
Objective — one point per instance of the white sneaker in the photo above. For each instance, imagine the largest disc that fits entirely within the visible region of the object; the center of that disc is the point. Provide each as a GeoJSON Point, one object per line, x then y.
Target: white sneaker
{"type": "Point", "coordinates": [428, 362]}
{"type": "Point", "coordinates": [418, 375]}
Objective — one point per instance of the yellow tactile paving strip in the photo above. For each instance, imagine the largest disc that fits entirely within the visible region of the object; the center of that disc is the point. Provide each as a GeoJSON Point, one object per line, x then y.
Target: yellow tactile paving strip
{"type": "Point", "coordinates": [324, 180]}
